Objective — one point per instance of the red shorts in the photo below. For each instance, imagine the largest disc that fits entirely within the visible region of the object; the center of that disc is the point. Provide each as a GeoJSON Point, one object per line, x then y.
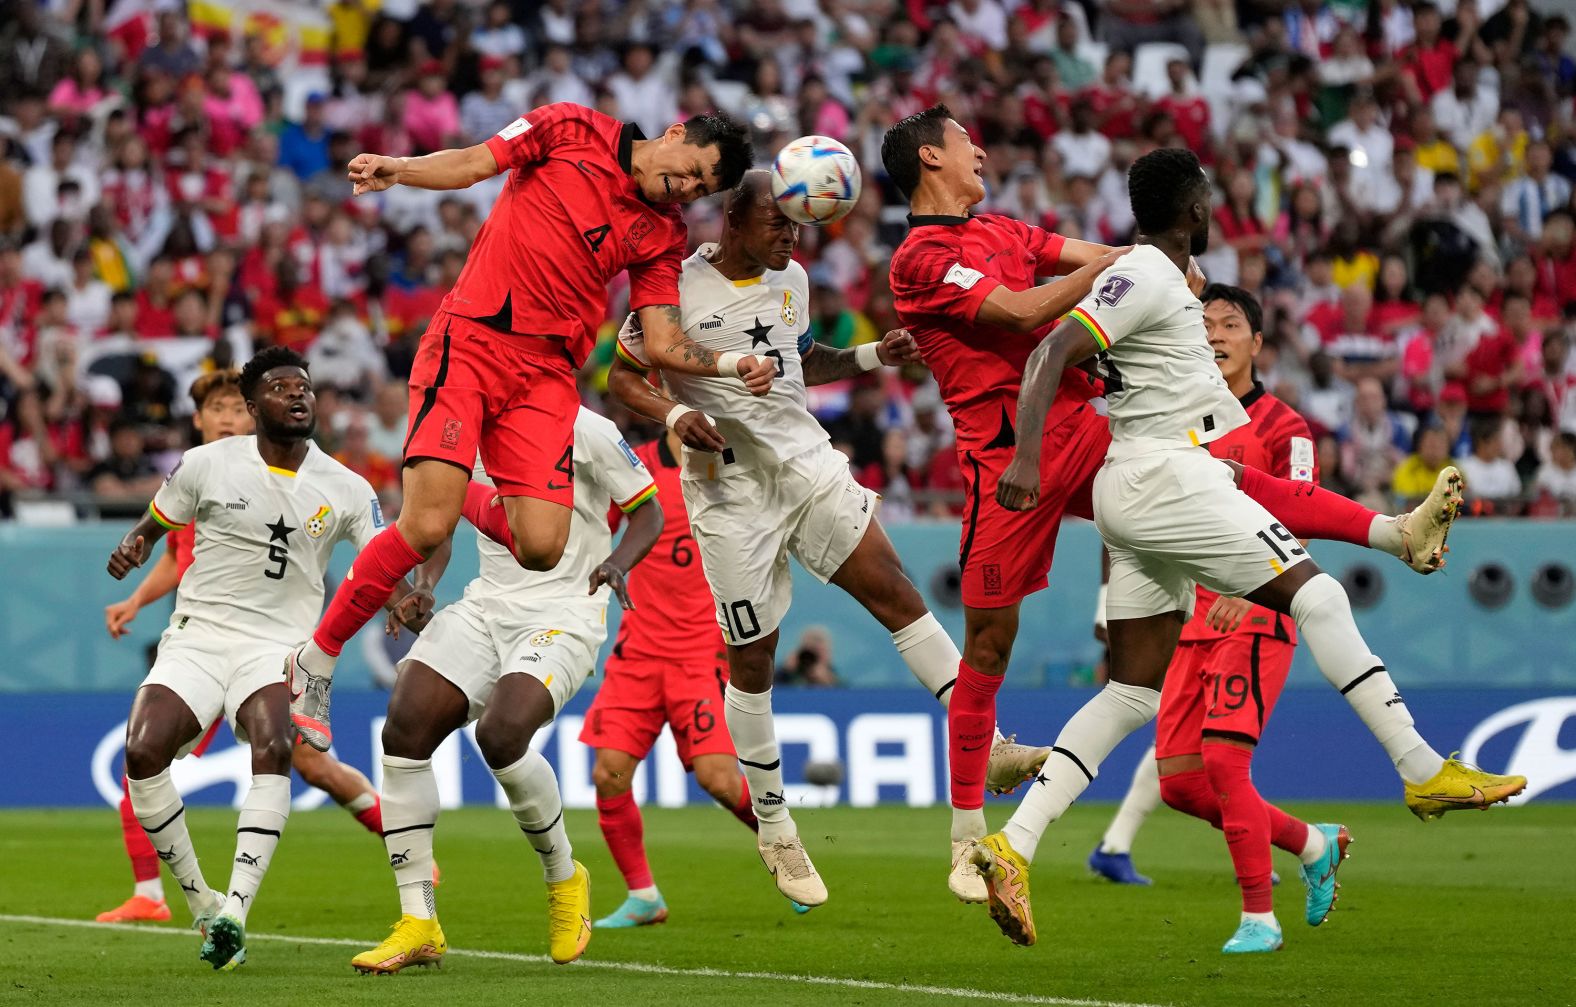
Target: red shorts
{"type": "Point", "coordinates": [513, 397]}
{"type": "Point", "coordinates": [1227, 686]}
{"type": "Point", "coordinates": [1006, 555]}
{"type": "Point", "coordinates": [639, 695]}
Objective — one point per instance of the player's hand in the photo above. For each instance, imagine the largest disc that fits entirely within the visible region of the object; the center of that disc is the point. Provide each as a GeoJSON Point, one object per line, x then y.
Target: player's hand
{"type": "Point", "coordinates": [696, 430]}
{"type": "Point", "coordinates": [413, 612]}
{"type": "Point", "coordinates": [372, 173]}
{"type": "Point", "coordinates": [1227, 614]}
{"type": "Point", "coordinates": [1196, 280]}
{"type": "Point", "coordinates": [1108, 260]}
{"type": "Point", "coordinates": [118, 616]}
{"type": "Point", "coordinates": [615, 578]}
{"type": "Point", "coordinates": [757, 374]}
{"type": "Point", "coordinates": [130, 554]}
{"type": "Point", "coordinates": [1019, 486]}
{"type": "Point", "coordinates": [898, 347]}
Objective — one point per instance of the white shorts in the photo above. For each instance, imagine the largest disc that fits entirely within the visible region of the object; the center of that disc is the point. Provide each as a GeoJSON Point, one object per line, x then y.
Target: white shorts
{"type": "Point", "coordinates": [747, 523]}
{"type": "Point", "coordinates": [215, 673]}
{"type": "Point", "coordinates": [1175, 518]}
{"type": "Point", "coordinates": [476, 641]}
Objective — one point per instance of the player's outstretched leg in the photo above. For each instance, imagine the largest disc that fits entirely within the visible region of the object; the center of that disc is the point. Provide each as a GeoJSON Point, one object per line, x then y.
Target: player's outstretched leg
{"type": "Point", "coordinates": [347, 785]}
{"type": "Point", "coordinates": [1113, 858]}
{"type": "Point", "coordinates": [1417, 537]}
{"type": "Point", "coordinates": [146, 903]}
{"type": "Point", "coordinates": [1434, 785]}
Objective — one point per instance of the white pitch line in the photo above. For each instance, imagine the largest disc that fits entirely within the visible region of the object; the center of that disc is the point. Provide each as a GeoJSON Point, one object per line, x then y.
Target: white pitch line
{"type": "Point", "coordinates": [645, 968]}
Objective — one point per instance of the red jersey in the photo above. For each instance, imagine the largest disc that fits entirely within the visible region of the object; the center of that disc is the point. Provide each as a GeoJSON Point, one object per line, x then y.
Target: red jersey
{"type": "Point", "coordinates": [940, 275]}
{"type": "Point", "coordinates": [1276, 440]}
{"type": "Point", "coordinates": [181, 543]}
{"type": "Point", "coordinates": [1191, 115]}
{"type": "Point", "coordinates": [675, 619]}
{"type": "Point", "coordinates": [569, 219]}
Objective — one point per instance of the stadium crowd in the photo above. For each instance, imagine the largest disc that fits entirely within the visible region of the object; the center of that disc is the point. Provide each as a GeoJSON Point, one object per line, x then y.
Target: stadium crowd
{"type": "Point", "coordinates": [1394, 183]}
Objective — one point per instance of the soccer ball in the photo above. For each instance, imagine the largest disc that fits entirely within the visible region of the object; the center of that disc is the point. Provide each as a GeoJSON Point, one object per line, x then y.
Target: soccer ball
{"type": "Point", "coordinates": [815, 180]}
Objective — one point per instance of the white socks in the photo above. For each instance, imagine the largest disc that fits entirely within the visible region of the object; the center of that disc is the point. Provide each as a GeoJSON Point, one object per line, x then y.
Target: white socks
{"type": "Point", "coordinates": [532, 790]}
{"type": "Point", "coordinates": [930, 654]}
{"type": "Point", "coordinates": [158, 807]}
{"type": "Point", "coordinates": [1143, 796]}
{"type": "Point", "coordinates": [1384, 535]}
{"type": "Point", "coordinates": [649, 893]}
{"type": "Point", "coordinates": [410, 810]}
{"type": "Point", "coordinates": [361, 802]}
{"type": "Point", "coordinates": [755, 740]}
{"type": "Point", "coordinates": [316, 660]}
{"type": "Point", "coordinates": [1110, 715]}
{"type": "Point", "coordinates": [257, 832]}
{"type": "Point", "coordinates": [1324, 617]}
{"type": "Point", "coordinates": [153, 889]}
{"type": "Point", "coordinates": [968, 823]}
{"type": "Point", "coordinates": [1314, 848]}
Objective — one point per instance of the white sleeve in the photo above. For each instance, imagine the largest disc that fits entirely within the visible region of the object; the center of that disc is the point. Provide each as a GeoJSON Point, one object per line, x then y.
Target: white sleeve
{"type": "Point", "coordinates": [176, 503]}
{"type": "Point", "coordinates": [631, 345]}
{"type": "Point", "coordinates": [615, 468]}
{"type": "Point", "coordinates": [365, 514]}
{"type": "Point", "coordinates": [1119, 305]}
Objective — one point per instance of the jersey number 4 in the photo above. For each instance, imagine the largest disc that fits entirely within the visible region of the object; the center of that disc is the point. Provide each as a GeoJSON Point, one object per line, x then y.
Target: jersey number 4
{"type": "Point", "coordinates": [596, 235]}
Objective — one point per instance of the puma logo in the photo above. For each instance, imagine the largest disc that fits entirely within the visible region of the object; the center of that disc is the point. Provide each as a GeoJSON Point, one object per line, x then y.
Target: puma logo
{"type": "Point", "coordinates": [244, 899]}
{"type": "Point", "coordinates": [246, 858]}
{"type": "Point", "coordinates": [399, 859]}
{"type": "Point", "coordinates": [189, 888]}
{"type": "Point", "coordinates": [165, 855]}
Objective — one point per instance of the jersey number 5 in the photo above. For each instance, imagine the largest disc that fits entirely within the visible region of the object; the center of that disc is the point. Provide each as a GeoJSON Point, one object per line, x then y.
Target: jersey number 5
{"type": "Point", "coordinates": [277, 554]}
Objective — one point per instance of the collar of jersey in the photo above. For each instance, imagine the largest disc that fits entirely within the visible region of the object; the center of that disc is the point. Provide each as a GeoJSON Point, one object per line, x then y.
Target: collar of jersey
{"type": "Point", "coordinates": [705, 249]}
{"type": "Point", "coordinates": [626, 146]}
{"type": "Point", "coordinates": [1254, 394]}
{"type": "Point", "coordinates": [936, 220]}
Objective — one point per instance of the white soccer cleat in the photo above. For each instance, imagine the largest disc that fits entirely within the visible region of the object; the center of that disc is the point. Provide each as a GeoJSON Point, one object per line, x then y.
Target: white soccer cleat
{"type": "Point", "coordinates": [1012, 765]}
{"type": "Point", "coordinates": [966, 881]}
{"type": "Point", "coordinates": [1425, 528]}
{"type": "Point", "coordinates": [796, 876]}
{"type": "Point", "coordinates": [308, 702]}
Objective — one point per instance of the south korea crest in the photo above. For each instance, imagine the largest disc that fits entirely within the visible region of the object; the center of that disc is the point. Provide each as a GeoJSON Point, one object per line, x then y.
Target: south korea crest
{"type": "Point", "coordinates": [317, 524]}
{"type": "Point", "coordinates": [790, 309]}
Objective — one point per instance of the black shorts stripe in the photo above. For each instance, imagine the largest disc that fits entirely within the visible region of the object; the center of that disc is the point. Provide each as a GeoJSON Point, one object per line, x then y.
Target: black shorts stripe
{"type": "Point", "coordinates": [260, 832]}
{"type": "Point", "coordinates": [974, 515]}
{"type": "Point", "coordinates": [161, 826]}
{"type": "Point", "coordinates": [764, 767]}
{"type": "Point", "coordinates": [429, 398]}
{"type": "Point", "coordinates": [1075, 761]}
{"type": "Point", "coordinates": [946, 688]}
{"type": "Point", "coordinates": [1229, 736]}
{"type": "Point", "coordinates": [407, 828]}
{"type": "Point", "coordinates": [1253, 680]}
{"type": "Point", "coordinates": [1360, 679]}
{"type": "Point", "coordinates": [549, 825]}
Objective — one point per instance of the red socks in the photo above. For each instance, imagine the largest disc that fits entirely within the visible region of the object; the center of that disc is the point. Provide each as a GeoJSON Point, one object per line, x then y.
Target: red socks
{"type": "Point", "coordinates": [371, 580]}
{"type": "Point", "coordinates": [492, 521]}
{"type": "Point", "coordinates": [744, 809]}
{"type": "Point", "coordinates": [1246, 821]}
{"type": "Point", "coordinates": [1307, 511]}
{"type": "Point", "coordinates": [971, 725]}
{"type": "Point", "coordinates": [372, 818]}
{"type": "Point", "coordinates": [144, 861]}
{"type": "Point", "coordinates": [625, 833]}
{"type": "Point", "coordinates": [1189, 792]}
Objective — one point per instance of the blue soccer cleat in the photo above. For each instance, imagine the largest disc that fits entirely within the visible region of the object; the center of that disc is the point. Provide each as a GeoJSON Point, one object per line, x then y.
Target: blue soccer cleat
{"type": "Point", "coordinates": [797, 908]}
{"type": "Point", "coordinates": [1319, 876]}
{"type": "Point", "coordinates": [1116, 867]}
{"type": "Point", "coordinates": [1253, 937]}
{"type": "Point", "coordinates": [635, 913]}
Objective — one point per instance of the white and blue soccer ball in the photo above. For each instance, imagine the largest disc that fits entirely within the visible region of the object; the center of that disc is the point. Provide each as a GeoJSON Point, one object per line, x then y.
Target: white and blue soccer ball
{"type": "Point", "coordinates": [815, 180]}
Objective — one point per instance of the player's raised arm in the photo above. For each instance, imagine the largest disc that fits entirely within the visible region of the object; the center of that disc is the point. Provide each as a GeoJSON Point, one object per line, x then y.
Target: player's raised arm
{"type": "Point", "coordinates": [444, 169]}
{"type": "Point", "coordinates": [668, 348]}
{"type": "Point", "coordinates": [825, 364]}
{"type": "Point", "coordinates": [643, 528]}
{"type": "Point", "coordinates": [1069, 343]}
{"type": "Point", "coordinates": [137, 546]}
{"type": "Point", "coordinates": [1028, 310]}
{"type": "Point", "coordinates": [631, 386]}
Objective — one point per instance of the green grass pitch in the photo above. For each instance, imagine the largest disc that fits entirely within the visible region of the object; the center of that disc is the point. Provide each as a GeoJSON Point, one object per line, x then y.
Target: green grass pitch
{"type": "Point", "coordinates": [1476, 908]}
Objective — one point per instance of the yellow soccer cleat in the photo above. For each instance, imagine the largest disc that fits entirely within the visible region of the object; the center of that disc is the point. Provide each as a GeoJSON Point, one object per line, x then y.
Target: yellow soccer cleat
{"type": "Point", "coordinates": [1459, 786]}
{"type": "Point", "coordinates": [413, 941]}
{"type": "Point", "coordinates": [569, 916]}
{"type": "Point", "coordinates": [1007, 887]}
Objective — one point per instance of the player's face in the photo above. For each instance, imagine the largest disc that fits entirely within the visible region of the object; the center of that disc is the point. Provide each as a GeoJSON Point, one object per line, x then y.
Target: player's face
{"type": "Point", "coordinates": [223, 414]}
{"type": "Point", "coordinates": [1232, 338]}
{"type": "Point", "coordinates": [769, 236]}
{"type": "Point", "coordinates": [679, 172]}
{"type": "Point", "coordinates": [285, 407]}
{"type": "Point", "coordinates": [962, 164]}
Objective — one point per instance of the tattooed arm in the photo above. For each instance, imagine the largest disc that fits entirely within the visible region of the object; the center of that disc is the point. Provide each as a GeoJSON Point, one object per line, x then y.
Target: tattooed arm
{"type": "Point", "coordinates": [823, 364]}
{"type": "Point", "coordinates": [671, 350]}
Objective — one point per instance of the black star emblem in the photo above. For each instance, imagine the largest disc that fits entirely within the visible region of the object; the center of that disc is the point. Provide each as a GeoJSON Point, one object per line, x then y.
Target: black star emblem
{"type": "Point", "coordinates": [757, 334]}
{"type": "Point", "coordinates": [1040, 778]}
{"type": "Point", "coordinates": [278, 531]}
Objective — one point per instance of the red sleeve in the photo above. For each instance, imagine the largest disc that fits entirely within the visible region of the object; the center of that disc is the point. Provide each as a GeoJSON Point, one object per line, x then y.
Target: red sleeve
{"type": "Point", "coordinates": [532, 136]}
{"type": "Point", "coordinates": [1046, 247]}
{"type": "Point", "coordinates": [929, 277]}
{"type": "Point", "coordinates": [656, 281]}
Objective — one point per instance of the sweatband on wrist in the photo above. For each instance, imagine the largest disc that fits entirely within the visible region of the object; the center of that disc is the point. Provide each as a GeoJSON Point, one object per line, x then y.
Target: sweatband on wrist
{"type": "Point", "coordinates": [728, 364]}
{"type": "Point", "coordinates": [868, 356]}
{"type": "Point", "coordinates": [678, 410]}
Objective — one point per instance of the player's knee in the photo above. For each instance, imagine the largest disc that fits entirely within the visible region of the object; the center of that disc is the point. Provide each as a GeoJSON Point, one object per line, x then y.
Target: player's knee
{"type": "Point", "coordinates": [503, 741]}
{"type": "Point", "coordinates": [988, 651]}
{"type": "Point", "coordinates": [538, 556]}
{"type": "Point", "coordinates": [426, 528]}
{"type": "Point", "coordinates": [721, 782]}
{"type": "Point", "coordinates": [1176, 794]}
{"type": "Point", "coordinates": [145, 758]}
{"type": "Point", "coordinates": [610, 782]}
{"type": "Point", "coordinates": [271, 754]}
{"type": "Point", "coordinates": [403, 737]}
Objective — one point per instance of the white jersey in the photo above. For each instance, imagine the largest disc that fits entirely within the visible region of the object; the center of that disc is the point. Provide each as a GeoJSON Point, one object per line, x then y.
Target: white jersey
{"type": "Point", "coordinates": [768, 317]}
{"type": "Point", "coordinates": [606, 473]}
{"type": "Point", "coordinates": [264, 536]}
{"type": "Point", "coordinates": [1162, 385]}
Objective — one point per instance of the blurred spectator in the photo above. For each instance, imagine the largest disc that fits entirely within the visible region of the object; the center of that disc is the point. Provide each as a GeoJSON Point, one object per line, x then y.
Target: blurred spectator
{"type": "Point", "coordinates": [1530, 199]}
{"type": "Point", "coordinates": [1127, 24]}
{"type": "Point", "coordinates": [386, 431]}
{"type": "Point", "coordinates": [1557, 476]}
{"type": "Point", "coordinates": [1490, 476]}
{"type": "Point", "coordinates": [1375, 440]}
{"type": "Point", "coordinates": [127, 473]}
{"type": "Point", "coordinates": [1414, 478]}
{"type": "Point", "coordinates": [356, 453]}
{"type": "Point", "coordinates": [810, 665]}
{"type": "Point", "coordinates": [432, 116]}
{"type": "Point", "coordinates": [303, 146]}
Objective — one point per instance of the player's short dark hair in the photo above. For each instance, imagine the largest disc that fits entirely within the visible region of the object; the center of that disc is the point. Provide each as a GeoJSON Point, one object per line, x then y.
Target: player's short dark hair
{"type": "Point", "coordinates": [265, 361]}
{"type": "Point", "coordinates": [900, 146]}
{"type": "Point", "coordinates": [1161, 184]}
{"type": "Point", "coordinates": [1241, 299]}
{"type": "Point", "coordinates": [733, 145]}
{"type": "Point", "coordinates": [214, 382]}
